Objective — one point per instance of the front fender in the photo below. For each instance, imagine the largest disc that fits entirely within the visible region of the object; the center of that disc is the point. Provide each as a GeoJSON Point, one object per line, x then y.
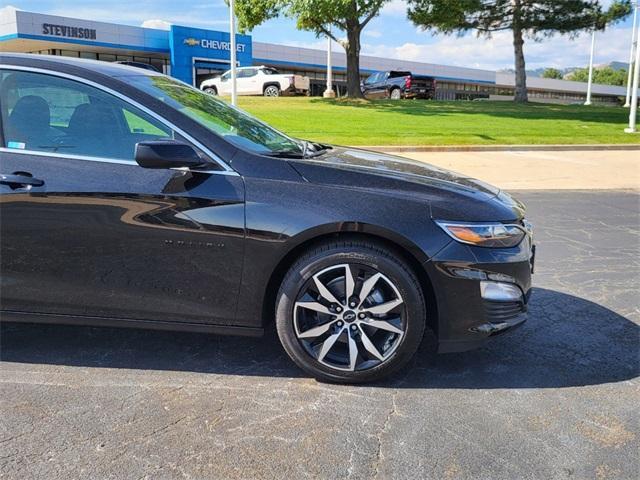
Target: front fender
{"type": "Point", "coordinates": [279, 226]}
{"type": "Point", "coordinates": [356, 227]}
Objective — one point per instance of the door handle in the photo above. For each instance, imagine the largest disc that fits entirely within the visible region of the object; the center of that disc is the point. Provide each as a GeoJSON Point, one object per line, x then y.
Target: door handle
{"type": "Point", "coordinates": [20, 179]}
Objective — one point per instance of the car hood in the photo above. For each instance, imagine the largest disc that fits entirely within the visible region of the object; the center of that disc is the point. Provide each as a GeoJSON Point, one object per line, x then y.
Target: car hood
{"type": "Point", "coordinates": [451, 195]}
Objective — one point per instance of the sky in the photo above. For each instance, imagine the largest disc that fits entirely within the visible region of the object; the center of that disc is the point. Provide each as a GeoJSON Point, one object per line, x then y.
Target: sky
{"type": "Point", "coordinates": [390, 35]}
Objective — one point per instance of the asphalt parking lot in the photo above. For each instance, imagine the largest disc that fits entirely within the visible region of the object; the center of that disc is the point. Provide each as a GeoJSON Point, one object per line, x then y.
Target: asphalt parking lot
{"type": "Point", "coordinates": [556, 399]}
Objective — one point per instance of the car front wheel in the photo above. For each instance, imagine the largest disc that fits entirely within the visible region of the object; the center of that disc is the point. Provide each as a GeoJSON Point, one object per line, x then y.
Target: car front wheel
{"type": "Point", "coordinates": [211, 91]}
{"type": "Point", "coordinates": [350, 312]}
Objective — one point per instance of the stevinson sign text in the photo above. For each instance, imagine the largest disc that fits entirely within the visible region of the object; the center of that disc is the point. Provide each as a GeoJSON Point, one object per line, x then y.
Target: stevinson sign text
{"type": "Point", "coordinates": [68, 32]}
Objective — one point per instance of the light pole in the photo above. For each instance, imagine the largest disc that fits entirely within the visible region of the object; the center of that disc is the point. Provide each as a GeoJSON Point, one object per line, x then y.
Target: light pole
{"type": "Point", "coordinates": [329, 93]}
{"type": "Point", "coordinates": [590, 85]}
{"type": "Point", "coordinates": [634, 45]}
{"type": "Point", "coordinates": [633, 114]}
{"type": "Point", "coordinates": [232, 47]}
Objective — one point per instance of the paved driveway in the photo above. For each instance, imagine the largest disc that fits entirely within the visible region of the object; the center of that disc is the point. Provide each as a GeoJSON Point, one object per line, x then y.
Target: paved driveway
{"type": "Point", "coordinates": [542, 169]}
{"type": "Point", "coordinates": [556, 399]}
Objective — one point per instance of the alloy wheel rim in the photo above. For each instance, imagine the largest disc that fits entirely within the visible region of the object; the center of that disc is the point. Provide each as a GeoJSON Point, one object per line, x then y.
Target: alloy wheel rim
{"type": "Point", "coordinates": [272, 92]}
{"type": "Point", "coordinates": [395, 94]}
{"type": "Point", "coordinates": [350, 317]}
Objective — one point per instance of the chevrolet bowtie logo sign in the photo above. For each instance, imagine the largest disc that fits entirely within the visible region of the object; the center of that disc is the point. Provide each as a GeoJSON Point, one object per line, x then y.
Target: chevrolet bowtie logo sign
{"type": "Point", "coordinates": [192, 42]}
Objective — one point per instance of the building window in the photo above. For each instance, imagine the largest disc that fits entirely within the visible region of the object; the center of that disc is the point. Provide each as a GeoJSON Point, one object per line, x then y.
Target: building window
{"type": "Point", "coordinates": [106, 57]}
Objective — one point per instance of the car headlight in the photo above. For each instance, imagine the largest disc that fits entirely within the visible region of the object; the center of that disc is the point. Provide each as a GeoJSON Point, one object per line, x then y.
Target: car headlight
{"type": "Point", "coordinates": [495, 235]}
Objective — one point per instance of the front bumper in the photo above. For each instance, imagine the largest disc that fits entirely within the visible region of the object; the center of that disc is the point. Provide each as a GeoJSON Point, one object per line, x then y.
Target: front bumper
{"type": "Point", "coordinates": [468, 314]}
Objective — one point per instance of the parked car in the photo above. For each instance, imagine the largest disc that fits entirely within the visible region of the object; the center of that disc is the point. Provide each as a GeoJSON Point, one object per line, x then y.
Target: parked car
{"type": "Point", "coordinates": [130, 199]}
{"type": "Point", "coordinates": [257, 81]}
{"type": "Point", "coordinates": [398, 84]}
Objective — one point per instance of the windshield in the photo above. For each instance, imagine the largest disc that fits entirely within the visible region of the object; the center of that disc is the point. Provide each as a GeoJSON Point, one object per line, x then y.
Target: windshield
{"type": "Point", "coordinates": [235, 125]}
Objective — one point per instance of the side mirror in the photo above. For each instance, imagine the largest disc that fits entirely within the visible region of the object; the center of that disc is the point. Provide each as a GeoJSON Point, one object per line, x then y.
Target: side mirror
{"type": "Point", "coordinates": [167, 154]}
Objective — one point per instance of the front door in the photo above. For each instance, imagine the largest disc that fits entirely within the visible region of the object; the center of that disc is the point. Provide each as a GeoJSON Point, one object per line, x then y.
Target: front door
{"type": "Point", "coordinates": [247, 82]}
{"type": "Point", "coordinates": [225, 84]}
{"type": "Point", "coordinates": [379, 89]}
{"type": "Point", "coordinates": [85, 231]}
{"type": "Point", "coordinates": [368, 85]}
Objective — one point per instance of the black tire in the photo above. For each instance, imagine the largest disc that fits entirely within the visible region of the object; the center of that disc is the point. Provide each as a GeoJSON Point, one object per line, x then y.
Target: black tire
{"type": "Point", "coordinates": [211, 91]}
{"type": "Point", "coordinates": [271, 91]}
{"type": "Point", "coordinates": [362, 256]}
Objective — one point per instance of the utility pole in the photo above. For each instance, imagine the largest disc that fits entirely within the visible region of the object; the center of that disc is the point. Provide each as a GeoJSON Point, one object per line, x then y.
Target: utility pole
{"type": "Point", "coordinates": [329, 93]}
{"type": "Point", "coordinates": [633, 114]}
{"type": "Point", "coordinates": [590, 85]}
{"type": "Point", "coordinates": [634, 45]}
{"type": "Point", "coordinates": [232, 34]}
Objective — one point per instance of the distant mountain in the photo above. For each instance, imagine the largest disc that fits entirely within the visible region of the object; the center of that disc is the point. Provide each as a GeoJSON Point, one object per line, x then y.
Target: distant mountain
{"type": "Point", "coordinates": [538, 71]}
{"type": "Point", "coordinates": [566, 71]}
{"type": "Point", "coordinates": [614, 65]}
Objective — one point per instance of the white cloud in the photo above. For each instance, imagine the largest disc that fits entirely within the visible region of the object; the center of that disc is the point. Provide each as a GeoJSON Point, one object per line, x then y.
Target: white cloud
{"type": "Point", "coordinates": [372, 33]}
{"type": "Point", "coordinates": [395, 8]}
{"type": "Point", "coordinates": [8, 10]}
{"type": "Point", "coordinates": [320, 44]}
{"type": "Point", "coordinates": [132, 16]}
{"type": "Point", "coordinates": [497, 52]}
{"type": "Point", "coordinates": [157, 24]}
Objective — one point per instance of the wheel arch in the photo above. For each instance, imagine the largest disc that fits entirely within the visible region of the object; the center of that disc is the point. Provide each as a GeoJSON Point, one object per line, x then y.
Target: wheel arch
{"type": "Point", "coordinates": [403, 247]}
{"type": "Point", "coordinates": [271, 84]}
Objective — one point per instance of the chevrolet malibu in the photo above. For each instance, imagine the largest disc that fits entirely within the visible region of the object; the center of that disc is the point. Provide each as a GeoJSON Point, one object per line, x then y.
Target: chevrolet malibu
{"type": "Point", "coordinates": [131, 199]}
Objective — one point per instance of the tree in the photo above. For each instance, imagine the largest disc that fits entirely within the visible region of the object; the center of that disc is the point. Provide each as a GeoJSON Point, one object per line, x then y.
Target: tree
{"type": "Point", "coordinates": [525, 18]}
{"type": "Point", "coordinates": [323, 17]}
{"type": "Point", "coordinates": [552, 73]}
{"type": "Point", "coordinates": [603, 76]}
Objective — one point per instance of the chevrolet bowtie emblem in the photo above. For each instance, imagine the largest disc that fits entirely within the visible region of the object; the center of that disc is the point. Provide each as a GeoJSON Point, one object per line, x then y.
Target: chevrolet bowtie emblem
{"type": "Point", "coordinates": [192, 42]}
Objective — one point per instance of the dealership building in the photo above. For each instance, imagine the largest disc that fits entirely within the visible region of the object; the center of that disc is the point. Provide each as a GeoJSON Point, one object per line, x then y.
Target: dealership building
{"type": "Point", "coordinates": [193, 54]}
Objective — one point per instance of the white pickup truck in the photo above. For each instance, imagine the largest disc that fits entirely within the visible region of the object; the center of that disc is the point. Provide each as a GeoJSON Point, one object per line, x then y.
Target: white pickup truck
{"type": "Point", "coordinates": [257, 81]}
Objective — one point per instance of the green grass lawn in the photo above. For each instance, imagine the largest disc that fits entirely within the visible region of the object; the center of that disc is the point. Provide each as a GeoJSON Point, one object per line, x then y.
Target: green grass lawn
{"type": "Point", "coordinates": [415, 122]}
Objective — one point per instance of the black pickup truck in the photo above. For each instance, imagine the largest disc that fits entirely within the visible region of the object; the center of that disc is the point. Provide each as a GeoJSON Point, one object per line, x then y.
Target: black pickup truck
{"type": "Point", "coordinates": [396, 84]}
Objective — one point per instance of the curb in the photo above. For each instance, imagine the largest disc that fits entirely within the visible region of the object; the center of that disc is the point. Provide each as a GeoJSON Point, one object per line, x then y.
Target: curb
{"type": "Point", "coordinates": [501, 148]}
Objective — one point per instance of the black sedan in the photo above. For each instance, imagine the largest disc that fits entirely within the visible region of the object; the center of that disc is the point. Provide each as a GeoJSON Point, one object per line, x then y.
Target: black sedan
{"type": "Point", "coordinates": [131, 199]}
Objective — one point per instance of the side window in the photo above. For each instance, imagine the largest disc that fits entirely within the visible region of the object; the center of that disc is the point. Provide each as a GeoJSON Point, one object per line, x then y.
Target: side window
{"type": "Point", "coordinates": [247, 73]}
{"type": "Point", "coordinates": [226, 76]}
{"type": "Point", "coordinates": [46, 113]}
{"type": "Point", "coordinates": [137, 125]}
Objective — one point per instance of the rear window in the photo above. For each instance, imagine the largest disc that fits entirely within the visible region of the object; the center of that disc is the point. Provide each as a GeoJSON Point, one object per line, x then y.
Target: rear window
{"type": "Point", "coordinates": [399, 74]}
